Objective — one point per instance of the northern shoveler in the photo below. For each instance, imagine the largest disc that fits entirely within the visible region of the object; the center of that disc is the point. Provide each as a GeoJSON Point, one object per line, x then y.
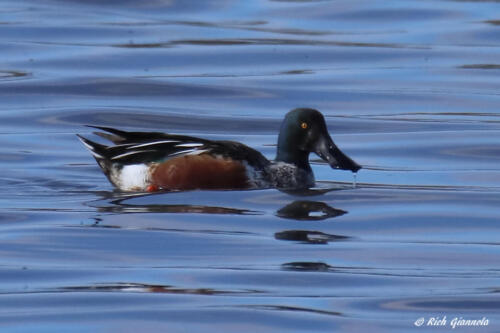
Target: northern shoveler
{"type": "Point", "coordinates": [152, 161]}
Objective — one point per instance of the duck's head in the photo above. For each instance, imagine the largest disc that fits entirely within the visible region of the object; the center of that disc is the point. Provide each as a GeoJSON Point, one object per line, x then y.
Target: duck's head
{"type": "Point", "coordinates": [304, 131]}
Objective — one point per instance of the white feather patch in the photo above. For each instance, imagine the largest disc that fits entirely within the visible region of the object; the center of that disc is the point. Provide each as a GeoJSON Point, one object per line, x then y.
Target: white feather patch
{"type": "Point", "coordinates": [197, 152]}
{"type": "Point", "coordinates": [152, 143]}
{"type": "Point", "coordinates": [131, 153]}
{"type": "Point", "coordinates": [189, 145]}
{"type": "Point", "coordinates": [134, 177]}
{"type": "Point", "coordinates": [188, 152]}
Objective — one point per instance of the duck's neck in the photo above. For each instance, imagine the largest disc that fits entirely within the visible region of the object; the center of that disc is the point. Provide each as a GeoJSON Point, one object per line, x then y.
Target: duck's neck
{"type": "Point", "coordinates": [288, 147]}
{"type": "Point", "coordinates": [296, 157]}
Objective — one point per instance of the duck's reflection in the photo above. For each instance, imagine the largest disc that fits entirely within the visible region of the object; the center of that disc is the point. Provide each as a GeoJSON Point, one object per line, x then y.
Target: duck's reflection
{"type": "Point", "coordinates": [306, 266]}
{"type": "Point", "coordinates": [305, 210]}
{"type": "Point", "coordinates": [310, 192]}
{"type": "Point", "coordinates": [310, 237]}
{"type": "Point", "coordinates": [300, 210]}
{"type": "Point", "coordinates": [126, 203]}
{"type": "Point", "coordinates": [309, 210]}
{"type": "Point", "coordinates": [121, 206]}
{"type": "Point", "coordinates": [149, 288]}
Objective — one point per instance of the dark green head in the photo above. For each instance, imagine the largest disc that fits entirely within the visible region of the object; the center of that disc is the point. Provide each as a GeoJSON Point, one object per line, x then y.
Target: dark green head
{"type": "Point", "coordinates": [304, 131]}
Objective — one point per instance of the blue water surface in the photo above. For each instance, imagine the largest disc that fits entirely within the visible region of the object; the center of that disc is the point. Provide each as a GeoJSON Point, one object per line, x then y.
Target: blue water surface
{"type": "Point", "coordinates": [410, 90]}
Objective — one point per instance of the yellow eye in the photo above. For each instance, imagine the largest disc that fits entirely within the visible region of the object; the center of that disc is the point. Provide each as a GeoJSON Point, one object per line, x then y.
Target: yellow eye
{"type": "Point", "coordinates": [303, 125]}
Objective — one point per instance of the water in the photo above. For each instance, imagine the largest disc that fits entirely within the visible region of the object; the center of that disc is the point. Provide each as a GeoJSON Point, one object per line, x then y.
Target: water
{"type": "Point", "coordinates": [410, 90]}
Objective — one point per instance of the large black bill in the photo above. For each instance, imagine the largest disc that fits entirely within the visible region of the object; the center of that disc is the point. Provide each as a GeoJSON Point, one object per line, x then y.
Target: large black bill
{"type": "Point", "coordinates": [328, 151]}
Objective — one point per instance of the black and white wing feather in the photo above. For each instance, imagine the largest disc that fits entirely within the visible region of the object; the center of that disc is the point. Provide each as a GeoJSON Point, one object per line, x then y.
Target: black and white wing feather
{"type": "Point", "coordinates": [143, 147]}
{"type": "Point", "coordinates": [148, 147]}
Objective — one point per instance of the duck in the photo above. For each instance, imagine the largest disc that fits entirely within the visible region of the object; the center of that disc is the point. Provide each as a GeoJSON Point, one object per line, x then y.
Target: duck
{"type": "Point", "coordinates": [155, 161]}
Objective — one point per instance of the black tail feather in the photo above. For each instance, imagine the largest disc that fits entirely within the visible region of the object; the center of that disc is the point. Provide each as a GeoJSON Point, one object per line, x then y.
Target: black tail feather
{"type": "Point", "coordinates": [99, 152]}
{"type": "Point", "coordinates": [117, 136]}
{"type": "Point", "coordinates": [115, 131]}
{"type": "Point", "coordinates": [121, 137]}
{"type": "Point", "coordinates": [141, 147]}
{"type": "Point", "coordinates": [96, 149]}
